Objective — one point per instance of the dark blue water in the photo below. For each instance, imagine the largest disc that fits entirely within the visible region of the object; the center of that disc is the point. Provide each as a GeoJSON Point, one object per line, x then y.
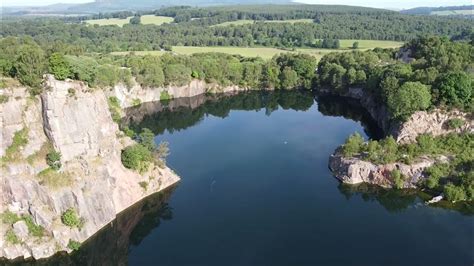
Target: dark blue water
{"type": "Point", "coordinates": [256, 190]}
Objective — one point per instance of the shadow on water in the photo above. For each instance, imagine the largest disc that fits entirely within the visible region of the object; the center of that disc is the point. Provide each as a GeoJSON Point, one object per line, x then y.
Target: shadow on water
{"type": "Point", "coordinates": [395, 201]}
{"type": "Point", "coordinates": [111, 245]}
{"type": "Point", "coordinates": [179, 114]}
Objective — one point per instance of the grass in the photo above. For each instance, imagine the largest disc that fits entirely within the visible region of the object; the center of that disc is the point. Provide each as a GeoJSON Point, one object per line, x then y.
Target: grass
{"type": "Point", "coordinates": [145, 19]}
{"type": "Point", "coordinates": [111, 21]}
{"type": "Point", "coordinates": [20, 139]}
{"type": "Point", "coordinates": [249, 21]}
{"type": "Point", "coordinates": [268, 52]}
{"type": "Point", "coordinates": [157, 20]}
{"type": "Point", "coordinates": [40, 156]}
{"type": "Point", "coordinates": [54, 179]}
{"type": "Point", "coordinates": [11, 238]}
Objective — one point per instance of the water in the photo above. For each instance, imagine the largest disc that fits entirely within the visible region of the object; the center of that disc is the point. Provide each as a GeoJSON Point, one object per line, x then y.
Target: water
{"type": "Point", "coordinates": [256, 190]}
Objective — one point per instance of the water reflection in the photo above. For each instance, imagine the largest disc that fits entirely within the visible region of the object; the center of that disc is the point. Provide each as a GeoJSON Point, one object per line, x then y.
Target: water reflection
{"type": "Point", "coordinates": [182, 113]}
{"type": "Point", "coordinates": [395, 201]}
{"type": "Point", "coordinates": [111, 245]}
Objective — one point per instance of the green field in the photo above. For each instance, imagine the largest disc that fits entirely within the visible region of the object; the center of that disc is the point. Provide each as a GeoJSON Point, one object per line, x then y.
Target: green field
{"type": "Point", "coordinates": [268, 52]}
{"type": "Point", "coordinates": [453, 12]}
{"type": "Point", "coordinates": [249, 21]}
{"type": "Point", "coordinates": [370, 44]}
{"type": "Point", "coordinates": [111, 21]}
{"type": "Point", "coordinates": [157, 20]}
{"type": "Point", "coordinates": [145, 19]}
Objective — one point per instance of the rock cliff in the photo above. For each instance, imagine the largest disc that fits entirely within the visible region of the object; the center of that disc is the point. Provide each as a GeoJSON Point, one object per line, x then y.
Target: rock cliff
{"type": "Point", "coordinates": [355, 171]}
{"type": "Point", "coordinates": [73, 119]}
{"type": "Point", "coordinates": [128, 96]}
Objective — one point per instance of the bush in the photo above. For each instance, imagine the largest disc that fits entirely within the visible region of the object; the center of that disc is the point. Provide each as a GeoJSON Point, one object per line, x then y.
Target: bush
{"type": "Point", "coordinates": [165, 96]}
{"type": "Point", "coordinates": [455, 123]}
{"type": "Point", "coordinates": [34, 229]}
{"type": "Point", "coordinates": [11, 238]}
{"type": "Point", "coordinates": [9, 217]}
{"type": "Point", "coordinates": [71, 219]}
{"type": "Point", "coordinates": [20, 139]}
{"type": "Point", "coordinates": [53, 159]}
{"type": "Point", "coordinates": [398, 178]}
{"type": "Point", "coordinates": [353, 145]}
{"type": "Point", "coordinates": [136, 157]}
{"type": "Point", "coordinates": [144, 185]}
{"type": "Point", "coordinates": [73, 245]}
{"type": "Point", "coordinates": [454, 193]}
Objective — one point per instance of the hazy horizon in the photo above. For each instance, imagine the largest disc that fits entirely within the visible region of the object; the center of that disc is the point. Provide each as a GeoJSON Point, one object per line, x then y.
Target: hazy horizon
{"type": "Point", "coordinates": [396, 4]}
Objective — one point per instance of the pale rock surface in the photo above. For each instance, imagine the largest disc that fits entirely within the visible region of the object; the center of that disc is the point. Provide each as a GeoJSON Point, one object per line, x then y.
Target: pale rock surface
{"type": "Point", "coordinates": [354, 170]}
{"type": "Point", "coordinates": [78, 125]}
{"type": "Point", "coordinates": [21, 230]}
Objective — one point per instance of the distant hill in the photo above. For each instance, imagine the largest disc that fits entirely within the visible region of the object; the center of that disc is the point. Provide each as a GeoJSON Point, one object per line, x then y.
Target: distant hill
{"type": "Point", "coordinates": [466, 10]}
{"type": "Point", "coordinates": [125, 5]}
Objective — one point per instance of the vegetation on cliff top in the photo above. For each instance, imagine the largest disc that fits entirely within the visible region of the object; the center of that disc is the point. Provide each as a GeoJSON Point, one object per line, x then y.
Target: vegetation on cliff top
{"type": "Point", "coordinates": [455, 178]}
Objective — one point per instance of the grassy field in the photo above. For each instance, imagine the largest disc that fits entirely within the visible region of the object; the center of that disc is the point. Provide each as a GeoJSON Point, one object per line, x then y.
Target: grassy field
{"type": "Point", "coordinates": [157, 20]}
{"type": "Point", "coordinates": [370, 44]}
{"type": "Point", "coordinates": [249, 21]}
{"type": "Point", "coordinates": [453, 12]}
{"type": "Point", "coordinates": [268, 52]}
{"type": "Point", "coordinates": [146, 19]}
{"type": "Point", "coordinates": [111, 21]}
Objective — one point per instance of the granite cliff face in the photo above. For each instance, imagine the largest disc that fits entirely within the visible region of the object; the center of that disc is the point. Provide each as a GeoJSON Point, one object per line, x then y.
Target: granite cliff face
{"type": "Point", "coordinates": [74, 120]}
{"type": "Point", "coordinates": [127, 96]}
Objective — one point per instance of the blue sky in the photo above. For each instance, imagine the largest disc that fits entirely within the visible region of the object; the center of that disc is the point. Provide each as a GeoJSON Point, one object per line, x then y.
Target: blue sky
{"type": "Point", "coordinates": [371, 3]}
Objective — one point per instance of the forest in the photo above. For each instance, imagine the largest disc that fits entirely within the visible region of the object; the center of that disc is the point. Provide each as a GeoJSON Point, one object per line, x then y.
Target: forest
{"type": "Point", "coordinates": [195, 27]}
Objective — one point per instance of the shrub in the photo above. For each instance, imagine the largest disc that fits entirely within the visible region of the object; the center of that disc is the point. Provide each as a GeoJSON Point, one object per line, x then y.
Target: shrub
{"type": "Point", "coordinates": [144, 185]}
{"type": "Point", "coordinates": [136, 157]}
{"type": "Point", "coordinates": [136, 102]}
{"type": "Point", "coordinates": [11, 237]}
{"type": "Point", "coordinates": [353, 145]}
{"type": "Point", "coordinates": [9, 217]}
{"type": "Point", "coordinates": [53, 159]}
{"type": "Point", "coordinates": [454, 193]}
{"type": "Point", "coordinates": [71, 92]}
{"type": "Point", "coordinates": [34, 229]}
{"type": "Point", "coordinates": [165, 96]}
{"type": "Point", "coordinates": [20, 139]}
{"type": "Point", "coordinates": [455, 123]}
{"type": "Point", "coordinates": [71, 219]}
{"type": "Point", "coordinates": [115, 109]}
{"type": "Point", "coordinates": [73, 245]}
{"type": "Point", "coordinates": [3, 98]}
{"type": "Point", "coordinates": [398, 178]}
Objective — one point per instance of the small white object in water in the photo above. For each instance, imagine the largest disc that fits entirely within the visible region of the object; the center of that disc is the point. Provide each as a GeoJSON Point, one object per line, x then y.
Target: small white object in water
{"type": "Point", "coordinates": [435, 199]}
{"type": "Point", "coordinates": [285, 142]}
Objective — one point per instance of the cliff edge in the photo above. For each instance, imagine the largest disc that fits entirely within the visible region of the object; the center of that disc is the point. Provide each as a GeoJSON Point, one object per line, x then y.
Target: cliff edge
{"type": "Point", "coordinates": [74, 120]}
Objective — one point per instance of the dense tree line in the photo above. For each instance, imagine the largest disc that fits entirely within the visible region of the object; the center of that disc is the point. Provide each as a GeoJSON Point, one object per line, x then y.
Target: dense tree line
{"type": "Point", "coordinates": [437, 75]}
{"type": "Point", "coordinates": [329, 22]}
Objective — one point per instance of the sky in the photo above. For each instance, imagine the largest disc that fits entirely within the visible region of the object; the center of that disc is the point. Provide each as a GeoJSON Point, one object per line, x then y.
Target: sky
{"type": "Point", "coordinates": [398, 4]}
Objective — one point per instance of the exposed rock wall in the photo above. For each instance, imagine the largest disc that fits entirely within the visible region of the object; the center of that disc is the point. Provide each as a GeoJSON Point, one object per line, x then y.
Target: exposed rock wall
{"type": "Point", "coordinates": [434, 122]}
{"type": "Point", "coordinates": [196, 87]}
{"type": "Point", "coordinates": [92, 180]}
{"type": "Point", "coordinates": [355, 171]}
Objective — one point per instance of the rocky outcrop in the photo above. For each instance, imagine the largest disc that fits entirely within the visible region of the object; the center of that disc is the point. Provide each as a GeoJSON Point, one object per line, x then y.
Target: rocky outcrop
{"type": "Point", "coordinates": [129, 96]}
{"type": "Point", "coordinates": [76, 121]}
{"type": "Point", "coordinates": [434, 122]}
{"type": "Point", "coordinates": [354, 170]}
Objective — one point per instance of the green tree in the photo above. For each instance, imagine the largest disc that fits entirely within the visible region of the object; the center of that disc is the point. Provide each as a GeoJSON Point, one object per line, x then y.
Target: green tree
{"type": "Point", "coordinates": [353, 145]}
{"type": "Point", "coordinates": [456, 88]}
{"type": "Point", "coordinates": [355, 45]}
{"type": "Point", "coordinates": [288, 78]}
{"type": "Point", "coordinates": [30, 65]}
{"type": "Point", "coordinates": [411, 97]}
{"type": "Point", "coordinates": [59, 67]}
{"type": "Point", "coordinates": [53, 159]}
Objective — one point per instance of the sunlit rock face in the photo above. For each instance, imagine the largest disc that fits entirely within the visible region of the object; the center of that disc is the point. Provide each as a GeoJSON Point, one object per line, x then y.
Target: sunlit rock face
{"type": "Point", "coordinates": [76, 121]}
